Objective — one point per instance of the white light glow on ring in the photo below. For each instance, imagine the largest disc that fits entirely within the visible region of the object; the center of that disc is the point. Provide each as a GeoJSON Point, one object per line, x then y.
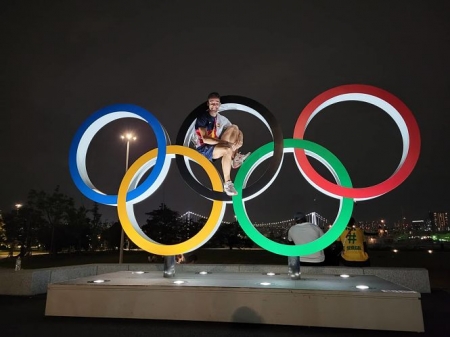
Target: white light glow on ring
{"type": "Point", "coordinates": [378, 102]}
{"type": "Point", "coordinates": [87, 137]}
{"type": "Point", "coordinates": [289, 150]}
{"type": "Point", "coordinates": [160, 179]}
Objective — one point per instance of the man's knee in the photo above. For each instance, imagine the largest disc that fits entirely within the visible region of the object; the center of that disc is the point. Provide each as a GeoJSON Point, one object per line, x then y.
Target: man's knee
{"type": "Point", "coordinates": [232, 128]}
{"type": "Point", "coordinates": [228, 152]}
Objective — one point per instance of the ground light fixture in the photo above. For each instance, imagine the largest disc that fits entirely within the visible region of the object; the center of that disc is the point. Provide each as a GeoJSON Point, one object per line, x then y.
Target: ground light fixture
{"type": "Point", "coordinates": [98, 281]}
{"type": "Point", "coordinates": [362, 287]}
{"type": "Point", "coordinates": [270, 274]}
{"type": "Point", "coordinates": [395, 250]}
{"type": "Point", "coordinates": [204, 272]}
{"type": "Point", "coordinates": [179, 282]}
{"type": "Point", "coordinates": [344, 276]}
{"type": "Point", "coordinates": [265, 283]}
{"type": "Point", "coordinates": [430, 251]}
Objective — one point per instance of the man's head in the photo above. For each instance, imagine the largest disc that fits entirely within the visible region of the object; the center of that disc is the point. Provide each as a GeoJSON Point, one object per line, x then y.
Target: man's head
{"type": "Point", "coordinates": [213, 102]}
{"type": "Point", "coordinates": [299, 217]}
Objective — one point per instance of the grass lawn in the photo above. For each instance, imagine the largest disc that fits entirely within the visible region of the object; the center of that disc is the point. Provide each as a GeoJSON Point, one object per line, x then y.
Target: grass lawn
{"type": "Point", "coordinates": [207, 256]}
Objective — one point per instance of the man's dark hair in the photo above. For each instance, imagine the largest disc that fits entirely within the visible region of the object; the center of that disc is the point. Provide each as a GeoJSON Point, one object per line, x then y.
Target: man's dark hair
{"type": "Point", "coordinates": [299, 217]}
{"type": "Point", "coordinates": [214, 95]}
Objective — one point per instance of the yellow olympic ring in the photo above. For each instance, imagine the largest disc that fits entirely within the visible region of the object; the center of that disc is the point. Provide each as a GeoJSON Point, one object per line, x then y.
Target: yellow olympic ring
{"type": "Point", "coordinates": [130, 225]}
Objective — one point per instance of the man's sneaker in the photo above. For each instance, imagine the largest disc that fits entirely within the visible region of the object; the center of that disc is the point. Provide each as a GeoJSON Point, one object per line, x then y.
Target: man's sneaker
{"type": "Point", "coordinates": [239, 159]}
{"type": "Point", "coordinates": [229, 188]}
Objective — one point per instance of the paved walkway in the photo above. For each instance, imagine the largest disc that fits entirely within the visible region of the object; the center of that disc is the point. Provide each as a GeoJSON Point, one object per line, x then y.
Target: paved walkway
{"type": "Point", "coordinates": [24, 316]}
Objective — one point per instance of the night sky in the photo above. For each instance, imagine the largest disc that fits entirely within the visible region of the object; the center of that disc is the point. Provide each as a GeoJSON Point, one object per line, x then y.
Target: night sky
{"type": "Point", "coordinates": [63, 60]}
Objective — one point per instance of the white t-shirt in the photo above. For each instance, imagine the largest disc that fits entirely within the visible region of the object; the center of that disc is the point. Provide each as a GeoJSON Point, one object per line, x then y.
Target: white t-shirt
{"type": "Point", "coordinates": [304, 233]}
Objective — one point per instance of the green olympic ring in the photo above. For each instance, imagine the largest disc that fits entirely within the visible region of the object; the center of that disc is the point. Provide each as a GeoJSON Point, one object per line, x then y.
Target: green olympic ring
{"type": "Point", "coordinates": [326, 158]}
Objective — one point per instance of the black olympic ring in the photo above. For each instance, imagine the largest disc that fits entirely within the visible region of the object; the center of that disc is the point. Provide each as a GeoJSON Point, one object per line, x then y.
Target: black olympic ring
{"type": "Point", "coordinates": [266, 177]}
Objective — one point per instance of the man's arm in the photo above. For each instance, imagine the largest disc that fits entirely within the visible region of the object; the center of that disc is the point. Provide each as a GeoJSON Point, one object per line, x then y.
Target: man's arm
{"type": "Point", "coordinates": [289, 238]}
{"type": "Point", "coordinates": [364, 241]}
{"type": "Point", "coordinates": [212, 140]}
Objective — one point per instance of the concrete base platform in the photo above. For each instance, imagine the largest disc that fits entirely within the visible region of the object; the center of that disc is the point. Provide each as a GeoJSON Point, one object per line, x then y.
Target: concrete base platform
{"type": "Point", "coordinates": [29, 282]}
{"type": "Point", "coordinates": [315, 300]}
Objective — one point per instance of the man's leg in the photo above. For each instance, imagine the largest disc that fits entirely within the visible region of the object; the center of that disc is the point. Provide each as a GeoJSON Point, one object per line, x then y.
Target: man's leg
{"type": "Point", "coordinates": [294, 267]}
{"type": "Point", "coordinates": [233, 135]}
{"type": "Point", "coordinates": [221, 151]}
{"type": "Point", "coordinates": [225, 153]}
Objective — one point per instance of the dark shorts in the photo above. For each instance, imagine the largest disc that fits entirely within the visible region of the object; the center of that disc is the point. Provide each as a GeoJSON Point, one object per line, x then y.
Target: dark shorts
{"type": "Point", "coordinates": [206, 150]}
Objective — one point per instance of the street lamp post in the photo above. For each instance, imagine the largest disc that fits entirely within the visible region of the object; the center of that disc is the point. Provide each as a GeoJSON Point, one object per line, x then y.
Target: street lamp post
{"type": "Point", "coordinates": [128, 137]}
{"type": "Point", "coordinates": [18, 206]}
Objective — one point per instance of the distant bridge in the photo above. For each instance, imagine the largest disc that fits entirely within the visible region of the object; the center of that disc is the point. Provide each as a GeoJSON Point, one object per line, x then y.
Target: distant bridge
{"type": "Point", "coordinates": [313, 217]}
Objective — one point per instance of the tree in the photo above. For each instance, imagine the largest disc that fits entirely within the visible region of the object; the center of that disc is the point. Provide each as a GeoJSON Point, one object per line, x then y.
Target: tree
{"type": "Point", "coordinates": [13, 230]}
{"type": "Point", "coordinates": [96, 228]}
{"type": "Point", "coordinates": [111, 235]}
{"type": "Point", "coordinates": [77, 232]}
{"type": "Point", "coordinates": [20, 228]}
{"type": "Point", "coordinates": [2, 231]}
{"type": "Point", "coordinates": [61, 224]}
{"type": "Point", "coordinates": [231, 235]}
{"type": "Point", "coordinates": [164, 226]}
{"type": "Point", "coordinates": [52, 221]}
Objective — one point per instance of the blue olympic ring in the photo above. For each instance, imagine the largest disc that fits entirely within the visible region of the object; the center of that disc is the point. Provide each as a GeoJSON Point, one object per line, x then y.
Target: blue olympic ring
{"type": "Point", "coordinates": [84, 135]}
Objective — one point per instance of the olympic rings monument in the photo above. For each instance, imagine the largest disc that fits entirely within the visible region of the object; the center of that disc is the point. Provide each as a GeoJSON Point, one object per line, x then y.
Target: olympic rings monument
{"type": "Point", "coordinates": [253, 296]}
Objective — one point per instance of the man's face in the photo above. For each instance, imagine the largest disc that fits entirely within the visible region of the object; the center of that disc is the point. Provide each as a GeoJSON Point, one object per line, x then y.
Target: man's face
{"type": "Point", "coordinates": [213, 105]}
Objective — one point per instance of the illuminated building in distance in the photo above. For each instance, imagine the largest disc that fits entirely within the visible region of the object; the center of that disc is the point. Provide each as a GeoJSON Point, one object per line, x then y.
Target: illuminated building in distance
{"type": "Point", "coordinates": [439, 221]}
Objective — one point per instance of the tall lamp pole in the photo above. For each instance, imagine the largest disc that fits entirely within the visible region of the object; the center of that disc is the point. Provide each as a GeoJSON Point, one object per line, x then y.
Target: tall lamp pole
{"type": "Point", "coordinates": [127, 137]}
{"type": "Point", "coordinates": [18, 206]}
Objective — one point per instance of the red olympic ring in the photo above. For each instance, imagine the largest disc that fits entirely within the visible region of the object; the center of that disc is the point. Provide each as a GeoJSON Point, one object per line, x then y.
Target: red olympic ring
{"type": "Point", "coordinates": [366, 93]}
